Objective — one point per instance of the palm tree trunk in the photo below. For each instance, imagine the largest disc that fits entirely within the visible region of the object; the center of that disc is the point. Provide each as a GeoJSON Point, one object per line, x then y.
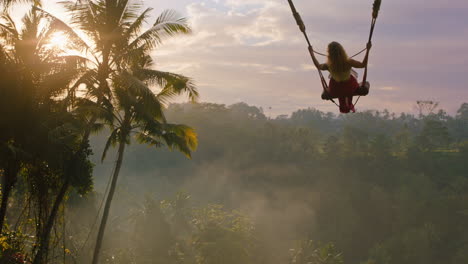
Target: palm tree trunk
{"type": "Point", "coordinates": [44, 242]}
{"type": "Point", "coordinates": [110, 196]}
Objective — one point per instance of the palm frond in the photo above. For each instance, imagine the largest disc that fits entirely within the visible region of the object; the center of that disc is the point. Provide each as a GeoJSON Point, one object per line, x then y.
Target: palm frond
{"type": "Point", "coordinates": [56, 83]}
{"type": "Point", "coordinates": [57, 25]}
{"type": "Point", "coordinates": [87, 107]}
{"type": "Point", "coordinates": [171, 17]}
{"type": "Point", "coordinates": [181, 137]}
{"type": "Point", "coordinates": [8, 3]}
{"type": "Point", "coordinates": [97, 127]}
{"type": "Point", "coordinates": [76, 60]}
{"type": "Point", "coordinates": [87, 78]}
{"type": "Point", "coordinates": [8, 30]}
{"type": "Point", "coordinates": [9, 23]}
{"type": "Point", "coordinates": [31, 24]}
{"type": "Point", "coordinates": [168, 24]}
{"type": "Point", "coordinates": [84, 15]}
{"type": "Point", "coordinates": [146, 138]}
{"type": "Point", "coordinates": [132, 91]}
{"type": "Point", "coordinates": [136, 25]}
{"type": "Point", "coordinates": [172, 84]}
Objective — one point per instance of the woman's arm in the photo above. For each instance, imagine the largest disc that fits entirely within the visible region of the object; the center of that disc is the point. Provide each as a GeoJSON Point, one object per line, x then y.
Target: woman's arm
{"type": "Point", "coordinates": [358, 64]}
{"type": "Point", "coordinates": [322, 67]}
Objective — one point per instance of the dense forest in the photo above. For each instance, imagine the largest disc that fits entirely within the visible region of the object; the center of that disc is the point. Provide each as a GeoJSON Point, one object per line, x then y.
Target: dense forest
{"type": "Point", "coordinates": [371, 187]}
{"type": "Point", "coordinates": [98, 165]}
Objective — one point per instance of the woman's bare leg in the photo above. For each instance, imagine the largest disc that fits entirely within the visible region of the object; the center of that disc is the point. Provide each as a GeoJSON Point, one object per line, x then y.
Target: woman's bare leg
{"type": "Point", "coordinates": [351, 106]}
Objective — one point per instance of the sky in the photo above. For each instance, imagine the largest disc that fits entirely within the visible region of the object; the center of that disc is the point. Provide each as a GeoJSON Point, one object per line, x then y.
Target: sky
{"type": "Point", "coordinates": [252, 51]}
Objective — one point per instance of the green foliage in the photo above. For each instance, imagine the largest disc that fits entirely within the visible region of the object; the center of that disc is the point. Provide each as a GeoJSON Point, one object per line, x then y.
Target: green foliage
{"type": "Point", "coordinates": [434, 135]}
{"type": "Point", "coordinates": [309, 252]}
{"type": "Point", "coordinates": [12, 248]}
{"type": "Point", "coordinates": [42, 147]}
{"type": "Point", "coordinates": [151, 225]}
{"type": "Point", "coordinates": [175, 232]}
{"type": "Point", "coordinates": [222, 237]}
{"type": "Point", "coordinates": [367, 178]}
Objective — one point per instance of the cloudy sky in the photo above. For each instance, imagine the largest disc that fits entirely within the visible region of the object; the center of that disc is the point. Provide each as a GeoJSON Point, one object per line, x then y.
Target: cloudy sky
{"type": "Point", "coordinates": [252, 51]}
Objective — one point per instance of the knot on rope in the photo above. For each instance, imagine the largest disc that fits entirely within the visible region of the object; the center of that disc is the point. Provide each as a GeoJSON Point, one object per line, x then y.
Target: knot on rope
{"type": "Point", "coordinates": [299, 21]}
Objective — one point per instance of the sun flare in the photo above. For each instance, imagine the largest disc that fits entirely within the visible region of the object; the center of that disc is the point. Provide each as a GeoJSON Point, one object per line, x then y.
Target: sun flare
{"type": "Point", "coordinates": [59, 40]}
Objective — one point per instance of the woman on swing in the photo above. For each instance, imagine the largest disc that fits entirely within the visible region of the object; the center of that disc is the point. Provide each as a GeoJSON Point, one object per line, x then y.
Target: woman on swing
{"type": "Point", "coordinates": [342, 83]}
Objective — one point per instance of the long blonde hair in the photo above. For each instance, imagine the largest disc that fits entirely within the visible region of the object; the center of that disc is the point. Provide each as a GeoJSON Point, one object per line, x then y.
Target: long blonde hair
{"type": "Point", "coordinates": [337, 58]}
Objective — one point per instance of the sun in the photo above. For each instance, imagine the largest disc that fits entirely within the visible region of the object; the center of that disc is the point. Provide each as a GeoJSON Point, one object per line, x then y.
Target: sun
{"type": "Point", "coordinates": [59, 40]}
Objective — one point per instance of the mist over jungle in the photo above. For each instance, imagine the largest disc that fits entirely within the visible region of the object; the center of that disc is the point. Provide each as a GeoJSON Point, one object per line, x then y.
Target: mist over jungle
{"type": "Point", "coordinates": [380, 186]}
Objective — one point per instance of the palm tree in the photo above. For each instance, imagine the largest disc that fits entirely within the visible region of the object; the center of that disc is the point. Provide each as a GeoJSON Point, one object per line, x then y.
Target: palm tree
{"type": "Point", "coordinates": [115, 32]}
{"type": "Point", "coordinates": [118, 43]}
{"type": "Point", "coordinates": [139, 112]}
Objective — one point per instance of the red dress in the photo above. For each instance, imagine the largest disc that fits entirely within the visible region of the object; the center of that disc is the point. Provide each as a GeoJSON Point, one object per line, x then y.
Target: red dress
{"type": "Point", "coordinates": [344, 91]}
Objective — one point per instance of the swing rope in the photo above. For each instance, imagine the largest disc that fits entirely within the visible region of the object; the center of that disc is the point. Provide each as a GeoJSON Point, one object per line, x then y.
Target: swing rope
{"type": "Point", "coordinates": [375, 15]}
{"type": "Point", "coordinates": [355, 55]}
{"type": "Point", "coordinates": [302, 27]}
{"type": "Point", "coordinates": [300, 23]}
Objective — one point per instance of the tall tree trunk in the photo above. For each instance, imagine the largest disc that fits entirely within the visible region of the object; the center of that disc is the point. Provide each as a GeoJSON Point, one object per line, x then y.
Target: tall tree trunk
{"type": "Point", "coordinates": [6, 190]}
{"type": "Point", "coordinates": [9, 180]}
{"type": "Point", "coordinates": [110, 196]}
{"type": "Point", "coordinates": [45, 237]}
